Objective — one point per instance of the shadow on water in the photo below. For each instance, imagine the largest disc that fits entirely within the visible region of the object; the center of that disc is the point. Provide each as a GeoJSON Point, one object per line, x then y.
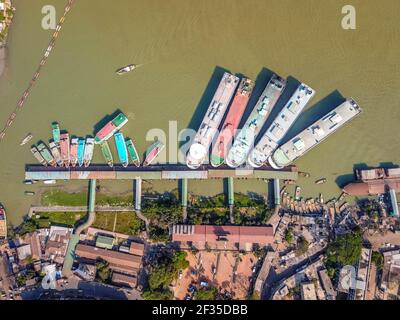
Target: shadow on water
{"type": "Point", "coordinates": [105, 120]}
{"type": "Point", "coordinates": [205, 100]}
{"type": "Point", "coordinates": [344, 179]}
{"type": "Point", "coordinates": [314, 113]}
{"type": "Point", "coordinates": [291, 86]}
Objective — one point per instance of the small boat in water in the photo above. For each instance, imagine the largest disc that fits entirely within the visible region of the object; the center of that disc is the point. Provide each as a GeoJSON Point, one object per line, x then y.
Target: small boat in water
{"type": "Point", "coordinates": [51, 181]}
{"type": "Point", "coordinates": [321, 181]}
{"type": "Point", "coordinates": [56, 153]}
{"type": "Point", "coordinates": [28, 138]}
{"type": "Point", "coordinates": [121, 149]}
{"type": "Point", "coordinates": [38, 156]}
{"type": "Point", "coordinates": [132, 152]}
{"type": "Point", "coordinates": [105, 150]}
{"type": "Point", "coordinates": [44, 151]}
{"type": "Point", "coordinates": [65, 149]}
{"type": "Point", "coordinates": [28, 182]}
{"type": "Point", "coordinates": [81, 151]}
{"type": "Point", "coordinates": [125, 69]}
{"type": "Point", "coordinates": [74, 151]}
{"type": "Point", "coordinates": [297, 193]}
{"type": "Point", "coordinates": [152, 152]}
{"type": "Point", "coordinates": [304, 174]}
{"type": "Point", "coordinates": [56, 132]}
{"type": "Point", "coordinates": [88, 154]}
{"type": "Point", "coordinates": [3, 224]}
{"type": "Point", "coordinates": [321, 198]}
{"type": "Point", "coordinates": [29, 193]}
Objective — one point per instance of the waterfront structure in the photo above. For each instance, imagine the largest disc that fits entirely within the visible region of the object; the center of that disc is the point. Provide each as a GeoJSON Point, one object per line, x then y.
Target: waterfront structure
{"type": "Point", "coordinates": [374, 181]}
{"type": "Point", "coordinates": [222, 237]}
{"type": "Point", "coordinates": [155, 172]}
{"type": "Point", "coordinates": [3, 224]}
{"type": "Point", "coordinates": [244, 141]}
{"type": "Point", "coordinates": [281, 125]}
{"type": "Point", "coordinates": [199, 149]}
{"type": "Point", "coordinates": [314, 134]}
{"type": "Point", "coordinates": [231, 123]}
{"type": "Point", "coordinates": [110, 128]}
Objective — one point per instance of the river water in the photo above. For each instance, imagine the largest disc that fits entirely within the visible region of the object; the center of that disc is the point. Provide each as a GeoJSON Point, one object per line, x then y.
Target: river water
{"type": "Point", "coordinates": [183, 46]}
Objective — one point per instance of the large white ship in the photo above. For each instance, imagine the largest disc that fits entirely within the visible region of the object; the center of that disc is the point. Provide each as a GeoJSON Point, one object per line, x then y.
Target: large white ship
{"type": "Point", "coordinates": [245, 139]}
{"type": "Point", "coordinates": [198, 151]}
{"type": "Point", "coordinates": [314, 134]}
{"type": "Point", "coordinates": [281, 125]}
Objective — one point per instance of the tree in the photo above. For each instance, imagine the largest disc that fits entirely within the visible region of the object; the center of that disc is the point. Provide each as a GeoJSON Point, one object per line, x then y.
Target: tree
{"type": "Point", "coordinates": [158, 295]}
{"type": "Point", "coordinates": [206, 293]}
{"type": "Point", "coordinates": [377, 259]}
{"type": "Point", "coordinates": [103, 271]}
{"type": "Point", "coordinates": [302, 245]}
{"type": "Point", "coordinates": [289, 235]}
{"type": "Point", "coordinates": [345, 250]}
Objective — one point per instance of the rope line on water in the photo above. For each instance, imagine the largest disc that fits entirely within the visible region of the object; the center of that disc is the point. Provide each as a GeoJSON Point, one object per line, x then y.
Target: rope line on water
{"type": "Point", "coordinates": [32, 82]}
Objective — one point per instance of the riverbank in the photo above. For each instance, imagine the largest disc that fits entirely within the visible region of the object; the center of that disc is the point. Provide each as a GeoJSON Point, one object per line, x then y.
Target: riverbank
{"type": "Point", "coordinates": [3, 57]}
{"type": "Point", "coordinates": [6, 16]}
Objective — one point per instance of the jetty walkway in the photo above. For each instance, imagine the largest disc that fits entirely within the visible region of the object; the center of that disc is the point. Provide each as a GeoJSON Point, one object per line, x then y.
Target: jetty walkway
{"type": "Point", "coordinates": [22, 100]}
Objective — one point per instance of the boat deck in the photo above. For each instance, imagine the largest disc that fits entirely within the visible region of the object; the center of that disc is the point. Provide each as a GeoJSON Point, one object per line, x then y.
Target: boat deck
{"type": "Point", "coordinates": [316, 133]}
{"type": "Point", "coordinates": [282, 123]}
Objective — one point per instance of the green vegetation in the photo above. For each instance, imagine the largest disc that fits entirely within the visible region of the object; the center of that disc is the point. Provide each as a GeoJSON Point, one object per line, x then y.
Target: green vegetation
{"type": "Point", "coordinates": [209, 293]}
{"type": "Point", "coordinates": [345, 250]}
{"type": "Point", "coordinates": [289, 235]}
{"type": "Point", "coordinates": [377, 259]}
{"type": "Point", "coordinates": [103, 273]}
{"type": "Point", "coordinates": [302, 246]}
{"type": "Point", "coordinates": [45, 219]}
{"type": "Point", "coordinates": [61, 198]}
{"type": "Point", "coordinates": [163, 273]}
{"type": "Point", "coordinates": [110, 200]}
{"type": "Point", "coordinates": [126, 223]}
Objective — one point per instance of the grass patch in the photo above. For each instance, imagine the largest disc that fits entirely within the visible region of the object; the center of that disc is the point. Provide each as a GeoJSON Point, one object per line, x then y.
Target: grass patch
{"type": "Point", "coordinates": [127, 222]}
{"type": "Point", "coordinates": [45, 219]}
{"type": "Point", "coordinates": [110, 200]}
{"type": "Point", "coordinates": [62, 198]}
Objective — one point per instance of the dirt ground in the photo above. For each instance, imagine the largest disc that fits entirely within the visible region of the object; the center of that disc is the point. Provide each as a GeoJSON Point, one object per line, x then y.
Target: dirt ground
{"type": "Point", "coordinates": [378, 241]}
{"type": "Point", "coordinates": [217, 268]}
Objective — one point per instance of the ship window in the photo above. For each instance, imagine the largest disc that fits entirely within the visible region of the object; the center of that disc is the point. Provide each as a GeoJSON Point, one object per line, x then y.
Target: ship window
{"type": "Point", "coordinates": [299, 144]}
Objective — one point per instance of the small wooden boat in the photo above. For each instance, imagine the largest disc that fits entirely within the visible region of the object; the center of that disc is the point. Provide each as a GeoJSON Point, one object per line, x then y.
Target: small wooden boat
{"type": "Point", "coordinates": [297, 193]}
{"type": "Point", "coordinates": [125, 69]}
{"type": "Point", "coordinates": [342, 196]}
{"type": "Point", "coordinates": [28, 138]}
{"type": "Point", "coordinates": [29, 193]}
{"type": "Point", "coordinates": [321, 198]}
{"type": "Point", "coordinates": [132, 152]}
{"type": "Point", "coordinates": [105, 150]}
{"type": "Point", "coordinates": [152, 152]}
{"type": "Point", "coordinates": [304, 174]}
{"type": "Point", "coordinates": [321, 181]}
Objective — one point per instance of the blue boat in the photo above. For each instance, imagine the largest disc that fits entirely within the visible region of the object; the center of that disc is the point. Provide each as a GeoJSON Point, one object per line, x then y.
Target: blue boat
{"type": "Point", "coordinates": [121, 148]}
{"type": "Point", "coordinates": [81, 151]}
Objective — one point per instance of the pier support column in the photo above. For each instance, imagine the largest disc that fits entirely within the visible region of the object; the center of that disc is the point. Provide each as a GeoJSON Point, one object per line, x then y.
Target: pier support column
{"type": "Point", "coordinates": [184, 198]}
{"type": "Point", "coordinates": [277, 192]}
{"type": "Point", "coordinates": [138, 194]}
{"type": "Point", "coordinates": [231, 199]}
{"type": "Point", "coordinates": [92, 195]}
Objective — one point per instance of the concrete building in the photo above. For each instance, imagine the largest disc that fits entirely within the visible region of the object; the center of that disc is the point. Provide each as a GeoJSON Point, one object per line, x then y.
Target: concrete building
{"type": "Point", "coordinates": [308, 291]}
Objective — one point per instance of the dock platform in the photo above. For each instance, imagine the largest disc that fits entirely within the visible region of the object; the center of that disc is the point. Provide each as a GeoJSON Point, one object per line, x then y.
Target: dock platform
{"type": "Point", "coordinates": [156, 172]}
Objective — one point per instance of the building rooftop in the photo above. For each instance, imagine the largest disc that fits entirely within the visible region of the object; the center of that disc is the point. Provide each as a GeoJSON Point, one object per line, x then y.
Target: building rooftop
{"type": "Point", "coordinates": [104, 242]}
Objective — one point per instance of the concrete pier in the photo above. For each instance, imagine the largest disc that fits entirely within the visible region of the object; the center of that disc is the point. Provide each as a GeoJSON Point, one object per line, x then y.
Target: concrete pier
{"type": "Point", "coordinates": [231, 198]}
{"type": "Point", "coordinates": [184, 198]}
{"type": "Point", "coordinates": [277, 192]}
{"type": "Point", "coordinates": [138, 194]}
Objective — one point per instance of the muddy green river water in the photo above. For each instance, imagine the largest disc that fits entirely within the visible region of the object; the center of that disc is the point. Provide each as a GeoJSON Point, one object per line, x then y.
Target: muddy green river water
{"type": "Point", "coordinates": [182, 44]}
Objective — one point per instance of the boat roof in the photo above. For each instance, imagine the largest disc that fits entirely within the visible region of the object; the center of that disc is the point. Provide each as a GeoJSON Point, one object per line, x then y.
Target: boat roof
{"type": "Point", "coordinates": [244, 141]}
{"type": "Point", "coordinates": [316, 133]}
{"type": "Point", "coordinates": [120, 120]}
{"type": "Point", "coordinates": [215, 112]}
{"type": "Point", "coordinates": [282, 123]}
{"type": "Point", "coordinates": [106, 130]}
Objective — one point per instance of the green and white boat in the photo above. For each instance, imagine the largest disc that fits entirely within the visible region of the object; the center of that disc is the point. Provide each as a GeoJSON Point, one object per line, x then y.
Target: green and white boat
{"type": "Point", "coordinates": [56, 132]}
{"type": "Point", "coordinates": [105, 150]}
{"type": "Point", "coordinates": [132, 152]}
